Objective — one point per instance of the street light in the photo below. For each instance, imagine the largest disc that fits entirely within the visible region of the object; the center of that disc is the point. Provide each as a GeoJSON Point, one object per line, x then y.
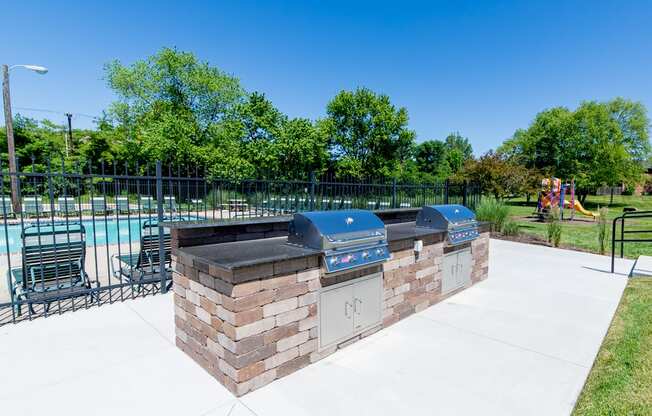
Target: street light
{"type": "Point", "coordinates": [9, 126]}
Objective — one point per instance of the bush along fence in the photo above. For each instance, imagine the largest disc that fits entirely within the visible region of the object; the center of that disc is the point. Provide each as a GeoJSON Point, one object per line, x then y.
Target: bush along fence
{"type": "Point", "coordinates": [76, 239]}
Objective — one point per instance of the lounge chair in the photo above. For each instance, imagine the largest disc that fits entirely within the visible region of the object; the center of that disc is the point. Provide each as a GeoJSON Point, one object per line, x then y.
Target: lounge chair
{"type": "Point", "coordinates": [6, 207]}
{"type": "Point", "coordinates": [347, 204]}
{"type": "Point", "coordinates": [325, 204]}
{"type": "Point", "coordinates": [66, 205]}
{"type": "Point", "coordinates": [371, 205]}
{"type": "Point", "coordinates": [383, 205]}
{"type": "Point", "coordinates": [169, 204]}
{"type": "Point", "coordinates": [405, 205]}
{"type": "Point", "coordinates": [33, 206]}
{"type": "Point", "coordinates": [98, 205]}
{"type": "Point", "coordinates": [147, 204]}
{"type": "Point", "coordinates": [144, 266]}
{"type": "Point", "coordinates": [53, 257]}
{"type": "Point", "coordinates": [122, 204]}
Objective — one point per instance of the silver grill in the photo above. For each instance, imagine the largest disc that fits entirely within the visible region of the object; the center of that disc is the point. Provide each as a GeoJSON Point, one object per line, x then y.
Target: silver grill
{"type": "Point", "coordinates": [348, 238]}
{"type": "Point", "coordinates": [457, 220]}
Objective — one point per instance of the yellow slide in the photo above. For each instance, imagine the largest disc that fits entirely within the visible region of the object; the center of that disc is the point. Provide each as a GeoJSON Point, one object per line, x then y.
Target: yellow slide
{"type": "Point", "coordinates": [579, 208]}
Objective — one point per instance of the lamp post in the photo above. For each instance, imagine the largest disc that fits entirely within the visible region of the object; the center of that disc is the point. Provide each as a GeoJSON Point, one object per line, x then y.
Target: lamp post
{"type": "Point", "coordinates": [9, 126]}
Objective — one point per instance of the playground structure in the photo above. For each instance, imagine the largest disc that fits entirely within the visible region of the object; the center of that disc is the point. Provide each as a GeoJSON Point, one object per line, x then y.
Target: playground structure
{"type": "Point", "coordinates": [554, 193]}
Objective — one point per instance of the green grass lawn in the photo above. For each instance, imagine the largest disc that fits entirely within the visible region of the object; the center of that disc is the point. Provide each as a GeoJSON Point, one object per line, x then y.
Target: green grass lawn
{"type": "Point", "coordinates": [583, 234]}
{"type": "Point", "coordinates": [620, 382]}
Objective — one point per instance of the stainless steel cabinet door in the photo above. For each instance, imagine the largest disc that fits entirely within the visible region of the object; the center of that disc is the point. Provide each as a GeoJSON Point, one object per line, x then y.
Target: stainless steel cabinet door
{"type": "Point", "coordinates": [465, 267]}
{"type": "Point", "coordinates": [335, 315]}
{"type": "Point", "coordinates": [449, 275]}
{"type": "Point", "coordinates": [367, 302]}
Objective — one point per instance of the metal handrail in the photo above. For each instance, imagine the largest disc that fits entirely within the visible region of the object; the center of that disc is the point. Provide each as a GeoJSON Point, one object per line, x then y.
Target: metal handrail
{"type": "Point", "coordinates": [622, 240]}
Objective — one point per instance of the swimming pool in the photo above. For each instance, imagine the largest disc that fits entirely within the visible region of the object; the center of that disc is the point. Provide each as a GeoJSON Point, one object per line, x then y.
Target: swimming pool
{"type": "Point", "coordinates": [111, 231]}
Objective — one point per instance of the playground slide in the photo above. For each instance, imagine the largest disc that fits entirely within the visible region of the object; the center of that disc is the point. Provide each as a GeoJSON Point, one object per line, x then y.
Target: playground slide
{"type": "Point", "coordinates": [579, 208]}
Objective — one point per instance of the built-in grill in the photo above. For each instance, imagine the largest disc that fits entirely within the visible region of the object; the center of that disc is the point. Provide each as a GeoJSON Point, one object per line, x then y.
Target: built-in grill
{"type": "Point", "coordinates": [458, 220]}
{"type": "Point", "coordinates": [348, 238]}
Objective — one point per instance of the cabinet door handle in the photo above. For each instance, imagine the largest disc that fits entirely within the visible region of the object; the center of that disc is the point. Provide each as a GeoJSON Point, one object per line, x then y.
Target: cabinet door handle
{"type": "Point", "coordinates": [346, 310]}
{"type": "Point", "coordinates": [355, 308]}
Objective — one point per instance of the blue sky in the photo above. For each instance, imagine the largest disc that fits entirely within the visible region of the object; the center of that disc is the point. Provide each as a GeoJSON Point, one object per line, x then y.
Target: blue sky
{"type": "Point", "coordinates": [483, 68]}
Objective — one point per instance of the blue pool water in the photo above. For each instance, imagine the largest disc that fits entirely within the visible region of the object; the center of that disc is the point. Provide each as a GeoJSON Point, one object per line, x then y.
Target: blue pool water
{"type": "Point", "coordinates": [110, 231]}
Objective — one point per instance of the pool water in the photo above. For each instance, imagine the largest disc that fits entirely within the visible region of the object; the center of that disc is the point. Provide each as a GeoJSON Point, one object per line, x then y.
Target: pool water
{"type": "Point", "coordinates": [111, 231]}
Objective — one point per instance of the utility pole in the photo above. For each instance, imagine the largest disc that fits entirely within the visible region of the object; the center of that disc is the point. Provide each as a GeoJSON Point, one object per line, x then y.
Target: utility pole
{"type": "Point", "coordinates": [9, 126]}
{"type": "Point", "coordinates": [69, 132]}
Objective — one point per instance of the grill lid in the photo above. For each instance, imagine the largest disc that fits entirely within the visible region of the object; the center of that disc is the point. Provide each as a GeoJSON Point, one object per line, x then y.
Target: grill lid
{"type": "Point", "coordinates": [332, 229]}
{"type": "Point", "coordinates": [457, 220]}
{"type": "Point", "coordinates": [445, 216]}
{"type": "Point", "coordinates": [348, 239]}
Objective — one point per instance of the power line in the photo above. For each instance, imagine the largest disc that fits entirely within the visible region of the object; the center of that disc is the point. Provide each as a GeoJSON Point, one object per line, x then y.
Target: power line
{"type": "Point", "coordinates": [63, 113]}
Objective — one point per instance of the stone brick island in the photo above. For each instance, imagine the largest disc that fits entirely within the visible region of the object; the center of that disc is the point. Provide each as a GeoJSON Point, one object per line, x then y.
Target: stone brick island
{"type": "Point", "coordinates": [248, 305]}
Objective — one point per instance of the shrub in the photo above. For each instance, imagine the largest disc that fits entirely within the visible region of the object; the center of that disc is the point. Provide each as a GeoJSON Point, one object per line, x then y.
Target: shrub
{"type": "Point", "coordinates": [603, 232]}
{"type": "Point", "coordinates": [510, 227]}
{"type": "Point", "coordinates": [494, 211]}
{"type": "Point", "coordinates": [553, 227]}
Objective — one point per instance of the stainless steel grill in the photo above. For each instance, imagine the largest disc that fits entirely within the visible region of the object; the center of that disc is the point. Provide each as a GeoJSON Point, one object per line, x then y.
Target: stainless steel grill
{"type": "Point", "coordinates": [348, 238]}
{"type": "Point", "coordinates": [457, 220]}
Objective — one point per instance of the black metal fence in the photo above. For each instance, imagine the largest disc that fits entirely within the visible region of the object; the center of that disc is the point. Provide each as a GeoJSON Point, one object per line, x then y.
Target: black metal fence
{"type": "Point", "coordinates": [628, 228]}
{"type": "Point", "coordinates": [84, 238]}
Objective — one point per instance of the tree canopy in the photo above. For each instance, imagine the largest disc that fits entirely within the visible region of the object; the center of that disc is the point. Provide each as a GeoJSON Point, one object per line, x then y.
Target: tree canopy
{"type": "Point", "coordinates": [368, 135]}
{"type": "Point", "coordinates": [600, 143]}
{"type": "Point", "coordinates": [176, 108]}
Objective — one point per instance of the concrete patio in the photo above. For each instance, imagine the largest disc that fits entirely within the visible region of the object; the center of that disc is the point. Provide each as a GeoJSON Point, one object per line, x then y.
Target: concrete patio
{"type": "Point", "coordinates": [521, 342]}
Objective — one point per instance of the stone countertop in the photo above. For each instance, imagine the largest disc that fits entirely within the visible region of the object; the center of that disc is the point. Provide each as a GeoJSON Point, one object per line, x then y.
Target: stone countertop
{"type": "Point", "coordinates": [227, 222]}
{"type": "Point", "coordinates": [240, 254]}
{"type": "Point", "coordinates": [387, 215]}
{"type": "Point", "coordinates": [248, 253]}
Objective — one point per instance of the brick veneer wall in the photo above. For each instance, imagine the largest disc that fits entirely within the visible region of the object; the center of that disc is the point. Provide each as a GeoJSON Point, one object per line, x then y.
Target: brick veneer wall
{"type": "Point", "coordinates": [247, 335]}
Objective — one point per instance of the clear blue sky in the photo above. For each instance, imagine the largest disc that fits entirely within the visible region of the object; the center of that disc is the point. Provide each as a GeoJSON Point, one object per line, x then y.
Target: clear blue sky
{"type": "Point", "coordinates": [480, 68]}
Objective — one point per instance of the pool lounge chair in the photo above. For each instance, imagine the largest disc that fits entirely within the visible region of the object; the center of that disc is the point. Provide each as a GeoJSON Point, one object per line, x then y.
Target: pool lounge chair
{"type": "Point", "coordinates": [6, 207]}
{"type": "Point", "coordinates": [405, 205]}
{"type": "Point", "coordinates": [33, 206]}
{"type": "Point", "coordinates": [144, 266]}
{"type": "Point", "coordinates": [147, 204]}
{"type": "Point", "coordinates": [371, 205]}
{"type": "Point", "coordinates": [169, 204]}
{"type": "Point", "coordinates": [53, 257]}
{"type": "Point", "coordinates": [66, 205]}
{"type": "Point", "coordinates": [98, 205]}
{"type": "Point", "coordinates": [325, 204]}
{"type": "Point", "coordinates": [122, 204]}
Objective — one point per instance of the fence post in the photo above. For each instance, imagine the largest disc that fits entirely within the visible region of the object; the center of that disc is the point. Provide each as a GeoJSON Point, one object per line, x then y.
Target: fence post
{"type": "Point", "coordinates": [393, 192]}
{"type": "Point", "coordinates": [446, 184]}
{"type": "Point", "coordinates": [161, 234]}
{"type": "Point", "coordinates": [464, 190]}
{"type": "Point", "coordinates": [312, 191]}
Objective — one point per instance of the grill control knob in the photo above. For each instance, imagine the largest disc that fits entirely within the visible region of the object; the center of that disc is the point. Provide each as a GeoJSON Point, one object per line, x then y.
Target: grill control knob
{"type": "Point", "coordinates": [380, 251]}
{"type": "Point", "coordinates": [365, 254]}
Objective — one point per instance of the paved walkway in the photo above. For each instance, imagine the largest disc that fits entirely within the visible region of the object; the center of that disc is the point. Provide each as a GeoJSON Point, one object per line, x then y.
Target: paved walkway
{"type": "Point", "coordinates": [521, 342]}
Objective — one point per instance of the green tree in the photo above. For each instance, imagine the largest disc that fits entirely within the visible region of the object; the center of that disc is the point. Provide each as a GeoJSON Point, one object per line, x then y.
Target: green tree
{"type": "Point", "coordinates": [171, 105]}
{"type": "Point", "coordinates": [501, 177]}
{"type": "Point", "coordinates": [432, 159]}
{"type": "Point", "coordinates": [597, 144]}
{"type": "Point", "coordinates": [458, 151]}
{"type": "Point", "coordinates": [368, 136]}
{"type": "Point", "coordinates": [301, 148]}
